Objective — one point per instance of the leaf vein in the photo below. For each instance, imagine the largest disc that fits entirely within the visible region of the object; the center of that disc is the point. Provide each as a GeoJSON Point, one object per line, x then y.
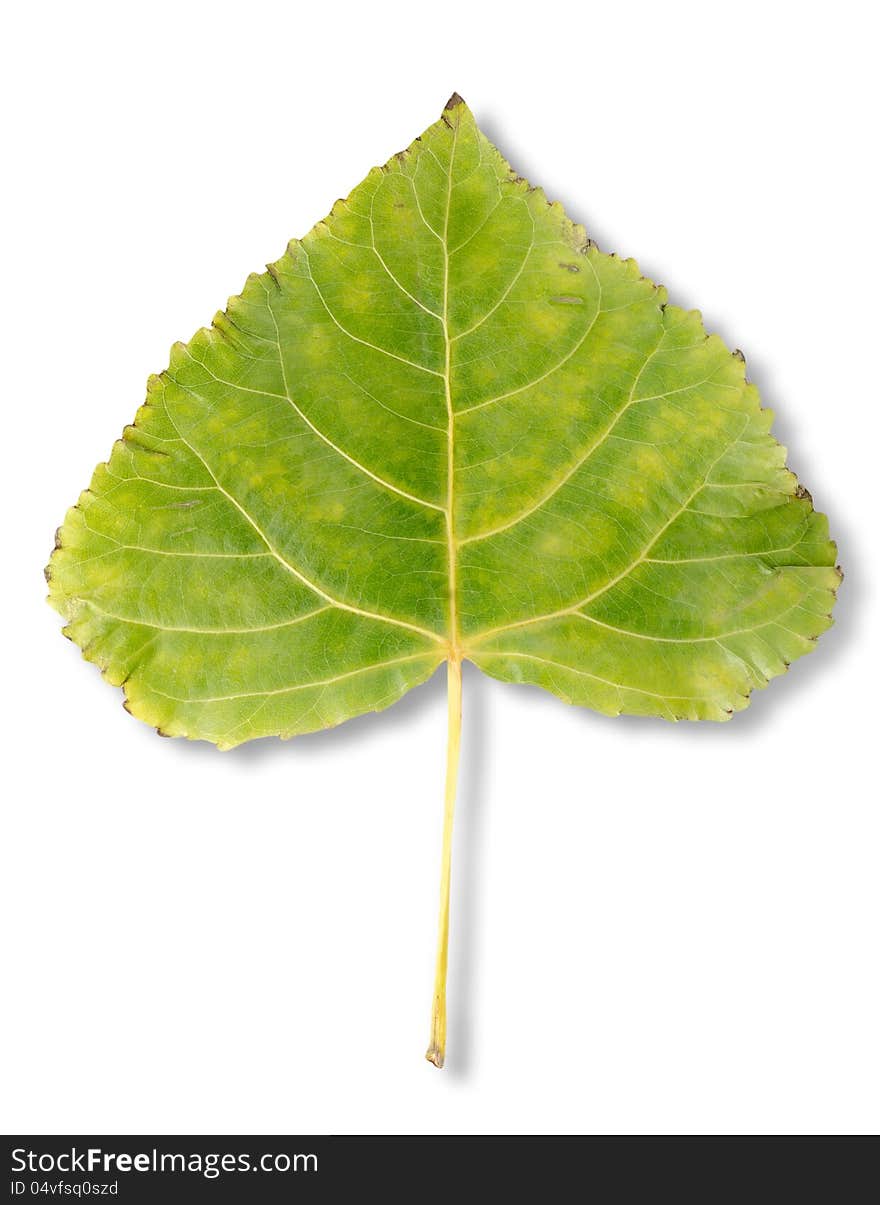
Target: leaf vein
{"type": "Point", "coordinates": [283, 690]}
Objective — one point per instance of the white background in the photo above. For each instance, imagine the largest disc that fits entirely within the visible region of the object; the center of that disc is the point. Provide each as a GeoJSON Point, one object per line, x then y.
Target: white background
{"type": "Point", "coordinates": [655, 927]}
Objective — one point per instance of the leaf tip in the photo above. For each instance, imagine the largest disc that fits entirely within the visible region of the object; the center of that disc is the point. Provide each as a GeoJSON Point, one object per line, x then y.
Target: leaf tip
{"type": "Point", "coordinates": [454, 101]}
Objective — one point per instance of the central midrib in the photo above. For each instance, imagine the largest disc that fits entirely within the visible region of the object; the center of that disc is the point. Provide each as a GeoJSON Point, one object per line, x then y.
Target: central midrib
{"type": "Point", "coordinates": [451, 545]}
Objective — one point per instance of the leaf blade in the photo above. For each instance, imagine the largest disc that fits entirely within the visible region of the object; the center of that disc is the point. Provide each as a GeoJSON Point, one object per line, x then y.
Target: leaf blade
{"type": "Point", "coordinates": [443, 424]}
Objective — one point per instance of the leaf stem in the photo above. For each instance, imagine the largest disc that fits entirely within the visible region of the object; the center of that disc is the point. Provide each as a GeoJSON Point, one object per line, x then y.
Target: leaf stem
{"type": "Point", "coordinates": [436, 1052]}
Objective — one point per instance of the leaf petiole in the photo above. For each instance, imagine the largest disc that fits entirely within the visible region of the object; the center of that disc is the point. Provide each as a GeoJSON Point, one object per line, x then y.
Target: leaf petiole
{"type": "Point", "coordinates": [436, 1052]}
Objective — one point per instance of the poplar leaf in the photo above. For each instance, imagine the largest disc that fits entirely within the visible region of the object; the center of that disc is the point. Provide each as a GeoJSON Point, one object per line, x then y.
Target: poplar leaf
{"type": "Point", "coordinates": [443, 423]}
{"type": "Point", "coordinates": [443, 426]}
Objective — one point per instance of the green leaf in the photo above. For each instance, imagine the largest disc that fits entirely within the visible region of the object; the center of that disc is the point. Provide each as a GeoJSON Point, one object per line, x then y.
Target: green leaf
{"type": "Point", "coordinates": [443, 426]}
{"type": "Point", "coordinates": [443, 423]}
